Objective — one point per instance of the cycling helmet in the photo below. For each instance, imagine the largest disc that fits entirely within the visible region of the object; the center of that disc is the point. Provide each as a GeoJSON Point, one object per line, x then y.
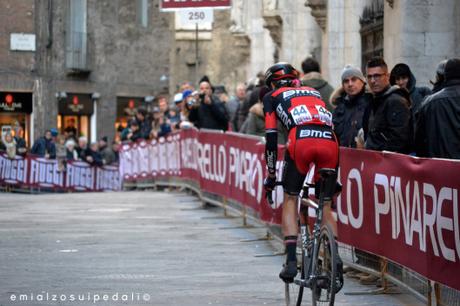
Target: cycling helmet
{"type": "Point", "coordinates": [280, 71]}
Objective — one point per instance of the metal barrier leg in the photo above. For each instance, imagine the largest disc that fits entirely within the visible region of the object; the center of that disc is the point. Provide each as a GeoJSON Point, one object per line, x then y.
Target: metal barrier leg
{"type": "Point", "coordinates": [268, 236]}
{"type": "Point", "coordinates": [244, 216]}
{"type": "Point", "coordinates": [226, 214]}
{"type": "Point", "coordinates": [437, 293]}
{"type": "Point", "coordinates": [385, 289]}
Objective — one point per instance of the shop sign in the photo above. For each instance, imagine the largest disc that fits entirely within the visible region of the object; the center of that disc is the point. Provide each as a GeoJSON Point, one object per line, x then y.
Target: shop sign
{"type": "Point", "coordinates": [76, 104]}
{"type": "Point", "coordinates": [16, 102]}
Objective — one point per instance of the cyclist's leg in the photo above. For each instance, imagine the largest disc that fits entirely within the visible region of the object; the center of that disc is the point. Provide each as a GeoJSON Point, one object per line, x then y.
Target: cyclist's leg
{"type": "Point", "coordinates": [292, 183]}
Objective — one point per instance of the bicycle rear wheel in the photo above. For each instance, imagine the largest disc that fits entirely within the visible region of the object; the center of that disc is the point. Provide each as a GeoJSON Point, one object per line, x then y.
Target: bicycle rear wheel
{"type": "Point", "coordinates": [323, 290]}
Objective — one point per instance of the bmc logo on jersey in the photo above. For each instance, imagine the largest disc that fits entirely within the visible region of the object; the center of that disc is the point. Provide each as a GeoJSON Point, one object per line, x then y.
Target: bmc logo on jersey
{"type": "Point", "coordinates": [301, 92]}
{"type": "Point", "coordinates": [311, 133]}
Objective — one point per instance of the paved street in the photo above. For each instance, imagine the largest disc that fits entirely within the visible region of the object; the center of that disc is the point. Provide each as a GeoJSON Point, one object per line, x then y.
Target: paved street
{"type": "Point", "coordinates": [138, 248]}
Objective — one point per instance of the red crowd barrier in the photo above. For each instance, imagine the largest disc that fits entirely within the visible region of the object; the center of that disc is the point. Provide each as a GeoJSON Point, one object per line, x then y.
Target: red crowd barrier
{"type": "Point", "coordinates": [396, 206]}
{"type": "Point", "coordinates": [34, 172]}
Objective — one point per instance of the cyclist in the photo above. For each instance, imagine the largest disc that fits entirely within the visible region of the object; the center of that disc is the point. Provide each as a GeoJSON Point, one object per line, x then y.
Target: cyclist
{"type": "Point", "coordinates": [311, 140]}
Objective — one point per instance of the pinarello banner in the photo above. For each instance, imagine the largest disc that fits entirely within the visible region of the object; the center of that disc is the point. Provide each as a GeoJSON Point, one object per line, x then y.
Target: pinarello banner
{"type": "Point", "coordinates": [396, 206]}
{"type": "Point", "coordinates": [403, 208]}
{"type": "Point", "coordinates": [188, 4]}
{"type": "Point", "coordinates": [35, 172]}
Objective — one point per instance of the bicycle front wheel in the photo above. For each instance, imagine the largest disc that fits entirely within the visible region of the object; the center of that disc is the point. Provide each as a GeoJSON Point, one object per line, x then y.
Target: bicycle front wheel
{"type": "Point", "coordinates": [324, 289]}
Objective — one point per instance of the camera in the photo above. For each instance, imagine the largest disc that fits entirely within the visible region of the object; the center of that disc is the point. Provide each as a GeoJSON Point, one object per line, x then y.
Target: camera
{"type": "Point", "coordinates": [191, 102]}
{"type": "Point", "coordinates": [202, 95]}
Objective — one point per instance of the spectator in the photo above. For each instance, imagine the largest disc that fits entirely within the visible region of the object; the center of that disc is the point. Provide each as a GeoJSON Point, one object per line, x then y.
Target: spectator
{"type": "Point", "coordinates": [160, 127]}
{"type": "Point", "coordinates": [82, 148]}
{"type": "Point", "coordinates": [71, 131]}
{"type": "Point", "coordinates": [389, 127]}
{"type": "Point", "coordinates": [94, 158]}
{"type": "Point", "coordinates": [351, 101]}
{"type": "Point", "coordinates": [438, 123]}
{"type": "Point", "coordinates": [107, 154]}
{"type": "Point", "coordinates": [8, 145]}
{"type": "Point", "coordinates": [21, 148]}
{"type": "Point", "coordinates": [71, 152]}
{"type": "Point", "coordinates": [313, 78]}
{"type": "Point", "coordinates": [210, 113]}
{"type": "Point", "coordinates": [234, 104]}
{"type": "Point", "coordinates": [189, 98]}
{"type": "Point", "coordinates": [252, 97]}
{"type": "Point", "coordinates": [438, 84]}
{"type": "Point", "coordinates": [131, 133]}
{"type": "Point", "coordinates": [44, 146]}
{"type": "Point", "coordinates": [143, 122]}
{"type": "Point", "coordinates": [174, 121]}
{"type": "Point", "coordinates": [61, 152]}
{"type": "Point", "coordinates": [255, 123]}
{"type": "Point", "coordinates": [402, 76]}
{"type": "Point", "coordinates": [116, 151]}
{"type": "Point", "coordinates": [163, 105]}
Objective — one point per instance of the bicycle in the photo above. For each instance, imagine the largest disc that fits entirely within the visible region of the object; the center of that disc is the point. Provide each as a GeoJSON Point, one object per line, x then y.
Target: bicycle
{"type": "Point", "coordinates": [318, 266]}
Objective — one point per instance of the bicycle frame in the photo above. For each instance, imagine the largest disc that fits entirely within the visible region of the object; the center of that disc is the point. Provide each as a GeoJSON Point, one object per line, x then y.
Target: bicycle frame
{"type": "Point", "coordinates": [307, 239]}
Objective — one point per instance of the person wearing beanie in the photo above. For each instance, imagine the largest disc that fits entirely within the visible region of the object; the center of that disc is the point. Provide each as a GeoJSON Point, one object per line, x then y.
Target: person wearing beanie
{"type": "Point", "coordinates": [402, 76]}
{"type": "Point", "coordinates": [437, 132]}
{"type": "Point", "coordinates": [351, 101]}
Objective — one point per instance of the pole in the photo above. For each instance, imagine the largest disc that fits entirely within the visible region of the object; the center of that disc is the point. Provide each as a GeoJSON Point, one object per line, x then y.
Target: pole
{"type": "Point", "coordinates": [197, 61]}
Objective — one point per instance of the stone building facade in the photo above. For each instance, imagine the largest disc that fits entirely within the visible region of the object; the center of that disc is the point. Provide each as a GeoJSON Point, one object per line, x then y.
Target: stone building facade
{"type": "Point", "coordinates": [255, 34]}
{"type": "Point", "coordinates": [92, 62]}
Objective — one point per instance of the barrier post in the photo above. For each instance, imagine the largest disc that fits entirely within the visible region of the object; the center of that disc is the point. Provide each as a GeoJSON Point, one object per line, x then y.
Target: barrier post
{"type": "Point", "coordinates": [437, 294]}
{"type": "Point", "coordinates": [245, 216]}
{"type": "Point", "coordinates": [429, 294]}
{"type": "Point", "coordinates": [224, 206]}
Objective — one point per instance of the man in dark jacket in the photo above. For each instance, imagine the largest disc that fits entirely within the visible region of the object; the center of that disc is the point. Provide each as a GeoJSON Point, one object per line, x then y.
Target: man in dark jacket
{"type": "Point", "coordinates": [389, 127]}
{"type": "Point", "coordinates": [44, 146]}
{"type": "Point", "coordinates": [313, 78]}
{"type": "Point", "coordinates": [351, 102]}
{"type": "Point", "coordinates": [143, 122]}
{"type": "Point", "coordinates": [210, 113]}
{"type": "Point", "coordinates": [94, 158]}
{"type": "Point", "coordinates": [402, 76]}
{"type": "Point", "coordinates": [438, 124]}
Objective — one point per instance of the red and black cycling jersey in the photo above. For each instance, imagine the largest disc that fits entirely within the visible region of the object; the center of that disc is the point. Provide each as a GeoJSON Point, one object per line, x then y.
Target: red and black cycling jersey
{"type": "Point", "coordinates": [293, 106]}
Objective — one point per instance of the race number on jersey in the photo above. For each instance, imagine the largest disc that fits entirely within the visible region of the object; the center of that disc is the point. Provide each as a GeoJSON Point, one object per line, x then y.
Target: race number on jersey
{"type": "Point", "coordinates": [324, 115]}
{"type": "Point", "coordinates": [300, 114]}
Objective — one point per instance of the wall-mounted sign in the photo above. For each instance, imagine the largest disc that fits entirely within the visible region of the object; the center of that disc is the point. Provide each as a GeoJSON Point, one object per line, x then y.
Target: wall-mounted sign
{"type": "Point", "coordinates": [76, 104]}
{"type": "Point", "coordinates": [22, 42]}
{"type": "Point", "coordinates": [181, 4]}
{"type": "Point", "coordinates": [194, 16]}
{"type": "Point", "coordinates": [16, 102]}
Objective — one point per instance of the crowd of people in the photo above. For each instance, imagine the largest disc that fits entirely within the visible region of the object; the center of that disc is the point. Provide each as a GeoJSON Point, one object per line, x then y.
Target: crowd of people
{"type": "Point", "coordinates": [380, 109]}
{"type": "Point", "coordinates": [62, 147]}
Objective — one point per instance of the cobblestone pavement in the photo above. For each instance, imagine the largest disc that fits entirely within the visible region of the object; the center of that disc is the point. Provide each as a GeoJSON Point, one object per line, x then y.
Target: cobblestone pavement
{"type": "Point", "coordinates": [139, 248]}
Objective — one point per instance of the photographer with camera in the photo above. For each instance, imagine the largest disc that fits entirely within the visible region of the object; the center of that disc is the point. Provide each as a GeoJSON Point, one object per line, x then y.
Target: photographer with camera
{"type": "Point", "coordinates": [207, 112]}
